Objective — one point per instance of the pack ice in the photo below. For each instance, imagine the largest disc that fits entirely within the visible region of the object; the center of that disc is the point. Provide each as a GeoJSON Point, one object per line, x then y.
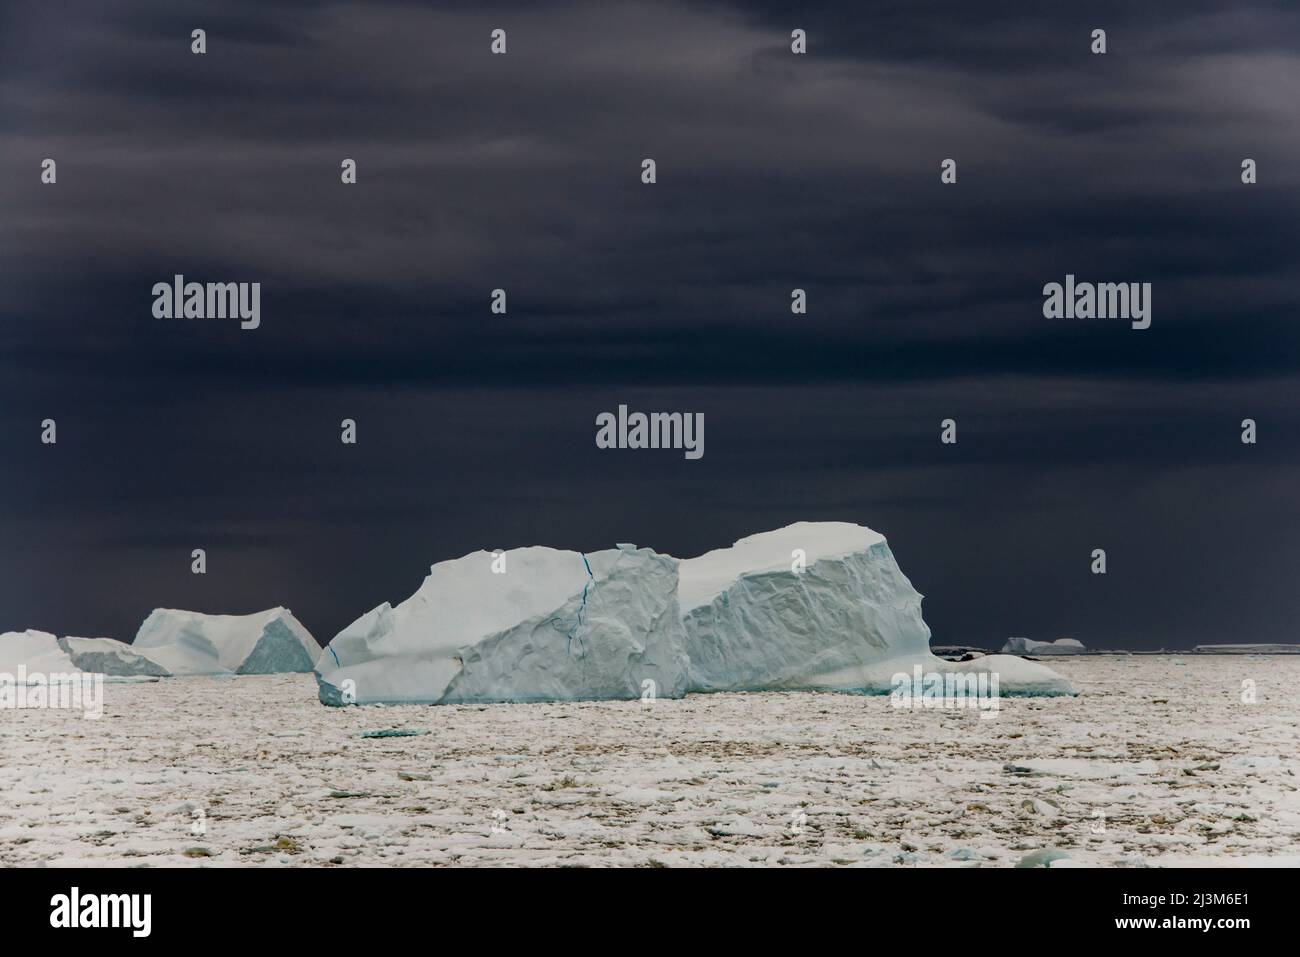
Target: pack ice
{"type": "Point", "coordinates": [191, 643]}
{"type": "Point", "coordinates": [814, 606]}
{"type": "Point", "coordinates": [528, 624]}
{"type": "Point", "coordinates": [818, 606]}
{"type": "Point", "coordinates": [1027, 646]}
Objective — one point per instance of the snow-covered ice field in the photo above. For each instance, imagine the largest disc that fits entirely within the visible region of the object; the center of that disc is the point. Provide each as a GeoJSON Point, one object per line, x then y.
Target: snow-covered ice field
{"type": "Point", "coordinates": [1157, 762]}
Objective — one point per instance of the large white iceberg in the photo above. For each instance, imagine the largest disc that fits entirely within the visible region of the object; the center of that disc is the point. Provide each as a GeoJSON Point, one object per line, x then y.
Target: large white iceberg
{"type": "Point", "coordinates": [191, 643]}
{"type": "Point", "coordinates": [814, 606]}
{"type": "Point", "coordinates": [528, 624]}
{"type": "Point", "coordinates": [1028, 646]}
{"type": "Point", "coordinates": [818, 606]}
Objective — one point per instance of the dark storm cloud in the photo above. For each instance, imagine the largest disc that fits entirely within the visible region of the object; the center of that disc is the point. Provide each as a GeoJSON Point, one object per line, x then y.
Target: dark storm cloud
{"type": "Point", "coordinates": [775, 171]}
{"type": "Point", "coordinates": [481, 171]}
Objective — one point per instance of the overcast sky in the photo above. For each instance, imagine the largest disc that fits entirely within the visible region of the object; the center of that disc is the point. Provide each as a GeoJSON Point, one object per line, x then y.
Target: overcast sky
{"type": "Point", "coordinates": [775, 171]}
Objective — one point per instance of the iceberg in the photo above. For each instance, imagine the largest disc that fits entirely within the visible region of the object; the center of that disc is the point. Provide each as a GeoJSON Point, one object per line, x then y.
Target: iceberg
{"type": "Point", "coordinates": [1264, 648]}
{"type": "Point", "coordinates": [44, 658]}
{"type": "Point", "coordinates": [1027, 646]}
{"type": "Point", "coordinates": [805, 607]}
{"type": "Point", "coordinates": [816, 606]}
{"type": "Point", "coordinates": [528, 624]}
{"type": "Point", "coordinates": [108, 656]}
{"type": "Point", "coordinates": [36, 651]}
{"type": "Point", "coordinates": [819, 606]}
{"type": "Point", "coordinates": [191, 643]}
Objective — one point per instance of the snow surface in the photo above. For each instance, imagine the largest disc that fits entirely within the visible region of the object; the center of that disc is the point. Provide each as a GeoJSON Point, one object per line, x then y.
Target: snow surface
{"type": "Point", "coordinates": [1027, 646]}
{"type": "Point", "coordinates": [108, 656]}
{"type": "Point", "coordinates": [1153, 764]}
{"type": "Point", "coordinates": [554, 625]}
{"type": "Point", "coordinates": [38, 651]}
{"type": "Point", "coordinates": [705, 578]}
{"type": "Point", "coordinates": [191, 643]}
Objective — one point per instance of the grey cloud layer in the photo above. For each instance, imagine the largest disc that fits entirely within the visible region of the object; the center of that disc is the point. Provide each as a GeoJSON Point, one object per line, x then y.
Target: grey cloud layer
{"type": "Point", "coordinates": [521, 171]}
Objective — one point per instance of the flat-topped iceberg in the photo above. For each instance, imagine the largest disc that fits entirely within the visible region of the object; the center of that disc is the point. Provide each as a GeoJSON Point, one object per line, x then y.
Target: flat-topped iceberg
{"type": "Point", "coordinates": [1257, 648]}
{"type": "Point", "coordinates": [1028, 646]}
{"type": "Point", "coordinates": [191, 643]}
{"type": "Point", "coordinates": [528, 624]}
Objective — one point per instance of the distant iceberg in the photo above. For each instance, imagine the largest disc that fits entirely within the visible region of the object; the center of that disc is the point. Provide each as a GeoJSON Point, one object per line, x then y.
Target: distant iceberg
{"type": "Point", "coordinates": [108, 656]}
{"type": "Point", "coordinates": [191, 643]}
{"type": "Point", "coordinates": [814, 606]}
{"type": "Point", "coordinates": [42, 658]}
{"type": "Point", "coordinates": [38, 652]}
{"type": "Point", "coordinates": [171, 643]}
{"type": "Point", "coordinates": [1027, 646]}
{"type": "Point", "coordinates": [1255, 648]}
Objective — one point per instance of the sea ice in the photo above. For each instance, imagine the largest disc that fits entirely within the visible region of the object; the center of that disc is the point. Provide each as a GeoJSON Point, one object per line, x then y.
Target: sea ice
{"type": "Point", "coordinates": [643, 783]}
